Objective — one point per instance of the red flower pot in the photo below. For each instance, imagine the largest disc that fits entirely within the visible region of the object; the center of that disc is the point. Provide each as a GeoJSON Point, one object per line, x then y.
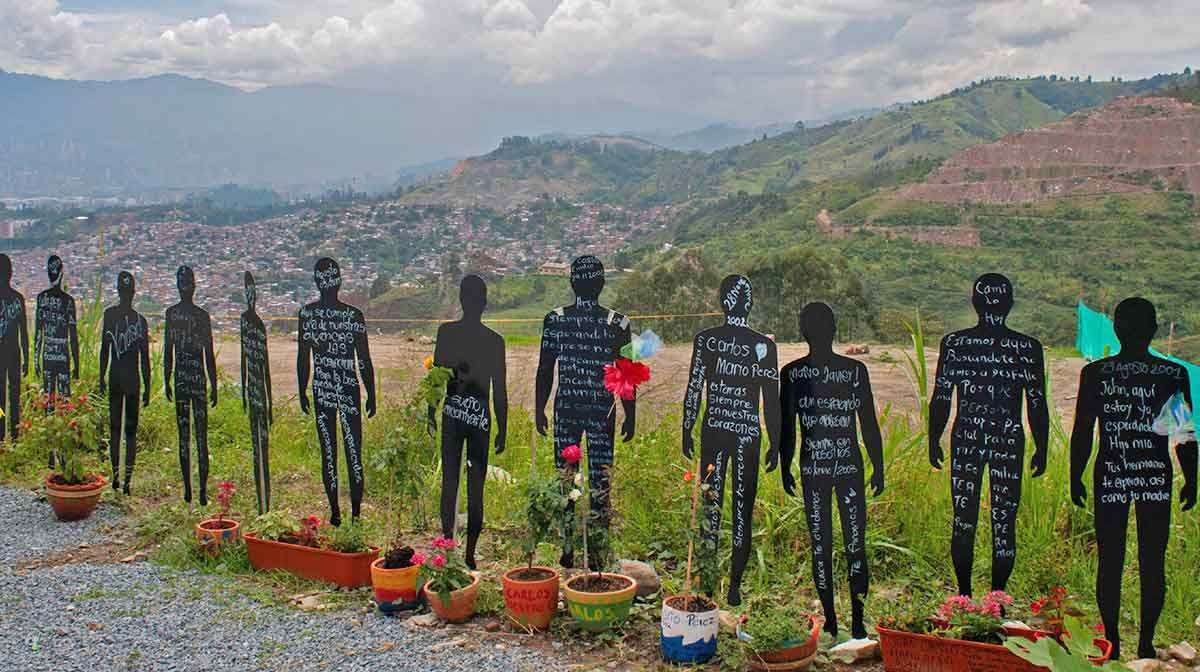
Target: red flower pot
{"type": "Point", "coordinates": [74, 502]}
{"type": "Point", "coordinates": [531, 602]}
{"type": "Point", "coordinates": [910, 652]}
{"type": "Point", "coordinates": [214, 535]}
{"type": "Point", "coordinates": [349, 570]}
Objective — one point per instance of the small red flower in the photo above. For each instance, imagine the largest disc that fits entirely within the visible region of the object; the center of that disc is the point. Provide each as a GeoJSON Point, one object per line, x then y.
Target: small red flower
{"type": "Point", "coordinates": [442, 542]}
{"type": "Point", "coordinates": [1036, 607]}
{"type": "Point", "coordinates": [438, 561]}
{"type": "Point", "coordinates": [312, 521]}
{"type": "Point", "coordinates": [688, 476]}
{"type": "Point", "coordinates": [418, 559]}
{"type": "Point", "coordinates": [1099, 627]}
{"type": "Point", "coordinates": [572, 454]}
{"type": "Point", "coordinates": [623, 377]}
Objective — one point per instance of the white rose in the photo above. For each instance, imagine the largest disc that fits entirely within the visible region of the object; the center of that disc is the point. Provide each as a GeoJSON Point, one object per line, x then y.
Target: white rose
{"type": "Point", "coordinates": [579, 479]}
{"type": "Point", "coordinates": [574, 494]}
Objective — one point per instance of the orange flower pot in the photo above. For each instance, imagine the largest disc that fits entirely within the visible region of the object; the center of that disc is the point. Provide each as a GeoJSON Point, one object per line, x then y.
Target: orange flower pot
{"type": "Point", "coordinates": [74, 502]}
{"type": "Point", "coordinates": [348, 570]}
{"type": "Point", "coordinates": [795, 656]}
{"type": "Point", "coordinates": [461, 606]}
{"type": "Point", "coordinates": [395, 589]}
{"type": "Point", "coordinates": [530, 603]}
{"type": "Point", "coordinates": [214, 535]}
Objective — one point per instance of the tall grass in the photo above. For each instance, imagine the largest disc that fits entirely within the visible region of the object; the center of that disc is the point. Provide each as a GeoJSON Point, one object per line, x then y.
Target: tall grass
{"type": "Point", "coordinates": [908, 537]}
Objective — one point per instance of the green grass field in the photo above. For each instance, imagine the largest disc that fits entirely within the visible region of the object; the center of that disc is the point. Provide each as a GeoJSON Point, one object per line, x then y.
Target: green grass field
{"type": "Point", "coordinates": [908, 537]}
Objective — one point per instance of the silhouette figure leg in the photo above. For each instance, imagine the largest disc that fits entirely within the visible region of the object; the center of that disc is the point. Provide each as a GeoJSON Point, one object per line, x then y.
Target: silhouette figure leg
{"type": "Point", "coordinates": [132, 409]}
{"type": "Point", "coordinates": [200, 417]}
{"type": "Point", "coordinates": [259, 438]}
{"type": "Point", "coordinates": [1004, 480]}
{"type": "Point", "coordinates": [567, 432]}
{"type": "Point", "coordinates": [327, 436]}
{"type": "Point", "coordinates": [1112, 524]}
{"type": "Point", "coordinates": [966, 477]}
{"type": "Point", "coordinates": [1153, 530]}
{"type": "Point", "coordinates": [600, 438]}
{"type": "Point", "coordinates": [183, 422]}
{"type": "Point", "coordinates": [820, 530]}
{"type": "Point", "coordinates": [116, 401]}
{"type": "Point", "coordinates": [744, 476]}
{"type": "Point", "coordinates": [477, 461]}
{"type": "Point", "coordinates": [351, 422]}
{"type": "Point", "coordinates": [452, 447]}
{"type": "Point", "coordinates": [852, 506]}
{"type": "Point", "coordinates": [10, 400]}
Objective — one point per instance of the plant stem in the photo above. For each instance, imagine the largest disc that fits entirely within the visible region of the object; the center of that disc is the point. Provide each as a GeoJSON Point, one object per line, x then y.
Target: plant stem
{"type": "Point", "coordinates": [587, 501]}
{"type": "Point", "coordinates": [687, 583]}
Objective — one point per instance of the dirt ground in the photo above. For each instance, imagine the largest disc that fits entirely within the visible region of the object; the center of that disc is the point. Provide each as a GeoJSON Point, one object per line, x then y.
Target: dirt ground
{"type": "Point", "coordinates": [398, 363]}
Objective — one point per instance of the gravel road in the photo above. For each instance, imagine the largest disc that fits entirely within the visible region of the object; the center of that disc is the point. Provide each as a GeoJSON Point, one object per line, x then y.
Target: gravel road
{"type": "Point", "coordinates": [139, 616]}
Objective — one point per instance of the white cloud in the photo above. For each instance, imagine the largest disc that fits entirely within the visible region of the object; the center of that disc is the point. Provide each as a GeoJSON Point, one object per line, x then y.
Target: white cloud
{"type": "Point", "coordinates": [743, 60]}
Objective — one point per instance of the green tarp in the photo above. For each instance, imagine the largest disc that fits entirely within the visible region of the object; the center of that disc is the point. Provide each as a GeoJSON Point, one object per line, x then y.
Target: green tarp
{"type": "Point", "coordinates": [1095, 339]}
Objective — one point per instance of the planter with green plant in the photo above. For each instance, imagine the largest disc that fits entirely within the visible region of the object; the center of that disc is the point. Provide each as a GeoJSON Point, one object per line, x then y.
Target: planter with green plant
{"type": "Point", "coordinates": [782, 639]}
{"type": "Point", "coordinates": [691, 622]}
{"type": "Point", "coordinates": [450, 587]}
{"type": "Point", "coordinates": [214, 534]}
{"type": "Point", "coordinates": [531, 593]}
{"type": "Point", "coordinates": [66, 428]}
{"type": "Point", "coordinates": [341, 556]}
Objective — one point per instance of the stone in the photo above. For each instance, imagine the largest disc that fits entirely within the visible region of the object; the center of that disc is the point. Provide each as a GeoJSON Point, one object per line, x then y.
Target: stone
{"type": "Point", "coordinates": [448, 644]}
{"type": "Point", "coordinates": [643, 574]}
{"type": "Point", "coordinates": [136, 557]}
{"type": "Point", "coordinates": [728, 621]}
{"type": "Point", "coordinates": [1146, 665]}
{"type": "Point", "coordinates": [855, 650]}
{"type": "Point", "coordinates": [429, 620]}
{"type": "Point", "coordinates": [1184, 653]}
{"type": "Point", "coordinates": [492, 626]}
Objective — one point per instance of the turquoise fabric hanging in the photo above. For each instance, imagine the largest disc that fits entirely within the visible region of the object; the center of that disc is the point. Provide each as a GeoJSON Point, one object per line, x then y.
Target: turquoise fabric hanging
{"type": "Point", "coordinates": [1095, 339]}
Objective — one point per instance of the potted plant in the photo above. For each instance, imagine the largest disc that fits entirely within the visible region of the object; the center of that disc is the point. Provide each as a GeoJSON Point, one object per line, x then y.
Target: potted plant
{"type": "Point", "coordinates": [1074, 649]}
{"type": "Point", "coordinates": [782, 639]}
{"type": "Point", "coordinates": [277, 540]}
{"type": "Point", "coordinates": [214, 534]}
{"type": "Point", "coordinates": [66, 428]}
{"type": "Point", "coordinates": [450, 587]}
{"type": "Point", "coordinates": [396, 579]}
{"type": "Point", "coordinates": [691, 623]}
{"type": "Point", "coordinates": [531, 593]}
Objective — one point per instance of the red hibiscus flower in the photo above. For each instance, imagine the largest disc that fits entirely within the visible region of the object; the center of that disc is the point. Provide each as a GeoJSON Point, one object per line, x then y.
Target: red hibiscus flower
{"type": "Point", "coordinates": [623, 377]}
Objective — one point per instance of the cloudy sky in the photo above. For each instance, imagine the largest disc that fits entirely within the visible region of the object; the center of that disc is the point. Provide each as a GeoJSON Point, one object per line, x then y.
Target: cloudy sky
{"type": "Point", "coordinates": [744, 61]}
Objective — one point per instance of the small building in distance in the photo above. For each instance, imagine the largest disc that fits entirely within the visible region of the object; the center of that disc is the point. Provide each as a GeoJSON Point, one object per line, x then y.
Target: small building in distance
{"type": "Point", "coordinates": [556, 268]}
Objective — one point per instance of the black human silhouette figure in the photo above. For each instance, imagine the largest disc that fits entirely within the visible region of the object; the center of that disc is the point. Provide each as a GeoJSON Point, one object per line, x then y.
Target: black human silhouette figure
{"type": "Point", "coordinates": [55, 337]}
{"type": "Point", "coordinates": [333, 347]}
{"type": "Point", "coordinates": [733, 368]}
{"type": "Point", "coordinates": [14, 348]}
{"type": "Point", "coordinates": [126, 344]}
{"type": "Point", "coordinates": [1125, 393]}
{"type": "Point", "coordinates": [188, 353]}
{"type": "Point", "coordinates": [476, 355]}
{"type": "Point", "coordinates": [579, 341]}
{"type": "Point", "coordinates": [257, 400]}
{"type": "Point", "coordinates": [991, 367]}
{"type": "Point", "coordinates": [832, 396]}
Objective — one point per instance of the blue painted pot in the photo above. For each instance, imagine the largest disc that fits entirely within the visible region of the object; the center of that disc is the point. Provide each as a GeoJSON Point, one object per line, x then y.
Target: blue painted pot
{"type": "Point", "coordinates": [688, 637]}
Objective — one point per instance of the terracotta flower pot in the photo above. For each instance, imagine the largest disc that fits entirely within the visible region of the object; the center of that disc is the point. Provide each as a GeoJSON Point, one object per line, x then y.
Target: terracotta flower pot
{"type": "Point", "coordinates": [794, 656]}
{"type": "Point", "coordinates": [74, 502]}
{"type": "Point", "coordinates": [1033, 635]}
{"type": "Point", "coordinates": [599, 611]}
{"type": "Point", "coordinates": [911, 652]}
{"type": "Point", "coordinates": [688, 637]}
{"type": "Point", "coordinates": [531, 603]}
{"type": "Point", "coordinates": [395, 589]}
{"type": "Point", "coordinates": [461, 606]}
{"type": "Point", "coordinates": [349, 570]}
{"type": "Point", "coordinates": [214, 535]}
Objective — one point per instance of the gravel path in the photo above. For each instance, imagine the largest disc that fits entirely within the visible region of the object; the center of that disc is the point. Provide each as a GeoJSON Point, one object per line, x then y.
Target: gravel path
{"type": "Point", "coordinates": [138, 616]}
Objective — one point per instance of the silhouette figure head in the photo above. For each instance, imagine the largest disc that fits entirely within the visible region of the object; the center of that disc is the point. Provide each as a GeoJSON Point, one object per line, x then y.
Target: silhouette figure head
{"type": "Point", "coordinates": [992, 296]}
{"type": "Point", "coordinates": [472, 294]}
{"type": "Point", "coordinates": [185, 281]}
{"type": "Point", "coordinates": [54, 270]}
{"type": "Point", "coordinates": [125, 287]}
{"type": "Point", "coordinates": [587, 277]}
{"type": "Point", "coordinates": [5, 270]}
{"type": "Point", "coordinates": [818, 325]}
{"type": "Point", "coordinates": [251, 291]}
{"type": "Point", "coordinates": [328, 277]}
{"type": "Point", "coordinates": [1135, 322]}
{"type": "Point", "coordinates": [737, 298]}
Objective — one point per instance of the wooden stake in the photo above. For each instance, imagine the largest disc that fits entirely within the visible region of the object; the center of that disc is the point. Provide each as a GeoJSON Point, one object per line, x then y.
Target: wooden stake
{"type": "Point", "coordinates": [1170, 339]}
{"type": "Point", "coordinates": [687, 582]}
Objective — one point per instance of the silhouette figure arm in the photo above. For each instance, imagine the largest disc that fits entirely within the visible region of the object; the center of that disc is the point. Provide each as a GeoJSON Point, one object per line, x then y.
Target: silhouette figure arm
{"type": "Point", "coordinates": [303, 364]}
{"type": "Point", "coordinates": [939, 407]}
{"type": "Point", "coordinates": [770, 400]}
{"type": "Point", "coordinates": [106, 331]}
{"type": "Point", "coordinates": [1188, 456]}
{"type": "Point", "coordinates": [693, 394]}
{"type": "Point", "coordinates": [500, 395]}
{"type": "Point", "coordinates": [1086, 411]}
{"type": "Point", "coordinates": [23, 333]}
{"type": "Point", "coordinates": [439, 359]}
{"type": "Point", "coordinates": [210, 359]}
{"type": "Point", "coordinates": [547, 359]}
{"type": "Point", "coordinates": [787, 435]}
{"type": "Point", "coordinates": [242, 361]}
{"type": "Point", "coordinates": [168, 354]}
{"type": "Point", "coordinates": [366, 367]}
{"type": "Point", "coordinates": [1039, 411]}
{"type": "Point", "coordinates": [144, 359]}
{"type": "Point", "coordinates": [73, 334]}
{"type": "Point", "coordinates": [267, 377]}
{"type": "Point", "coordinates": [629, 406]}
{"type": "Point", "coordinates": [869, 426]}
{"type": "Point", "coordinates": [37, 338]}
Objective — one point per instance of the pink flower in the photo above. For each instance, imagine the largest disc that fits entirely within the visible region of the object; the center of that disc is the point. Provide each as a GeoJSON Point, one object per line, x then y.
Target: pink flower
{"type": "Point", "coordinates": [442, 542]}
{"type": "Point", "coordinates": [438, 561]}
{"type": "Point", "coordinates": [623, 377]}
{"type": "Point", "coordinates": [417, 560]}
{"type": "Point", "coordinates": [571, 454]}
